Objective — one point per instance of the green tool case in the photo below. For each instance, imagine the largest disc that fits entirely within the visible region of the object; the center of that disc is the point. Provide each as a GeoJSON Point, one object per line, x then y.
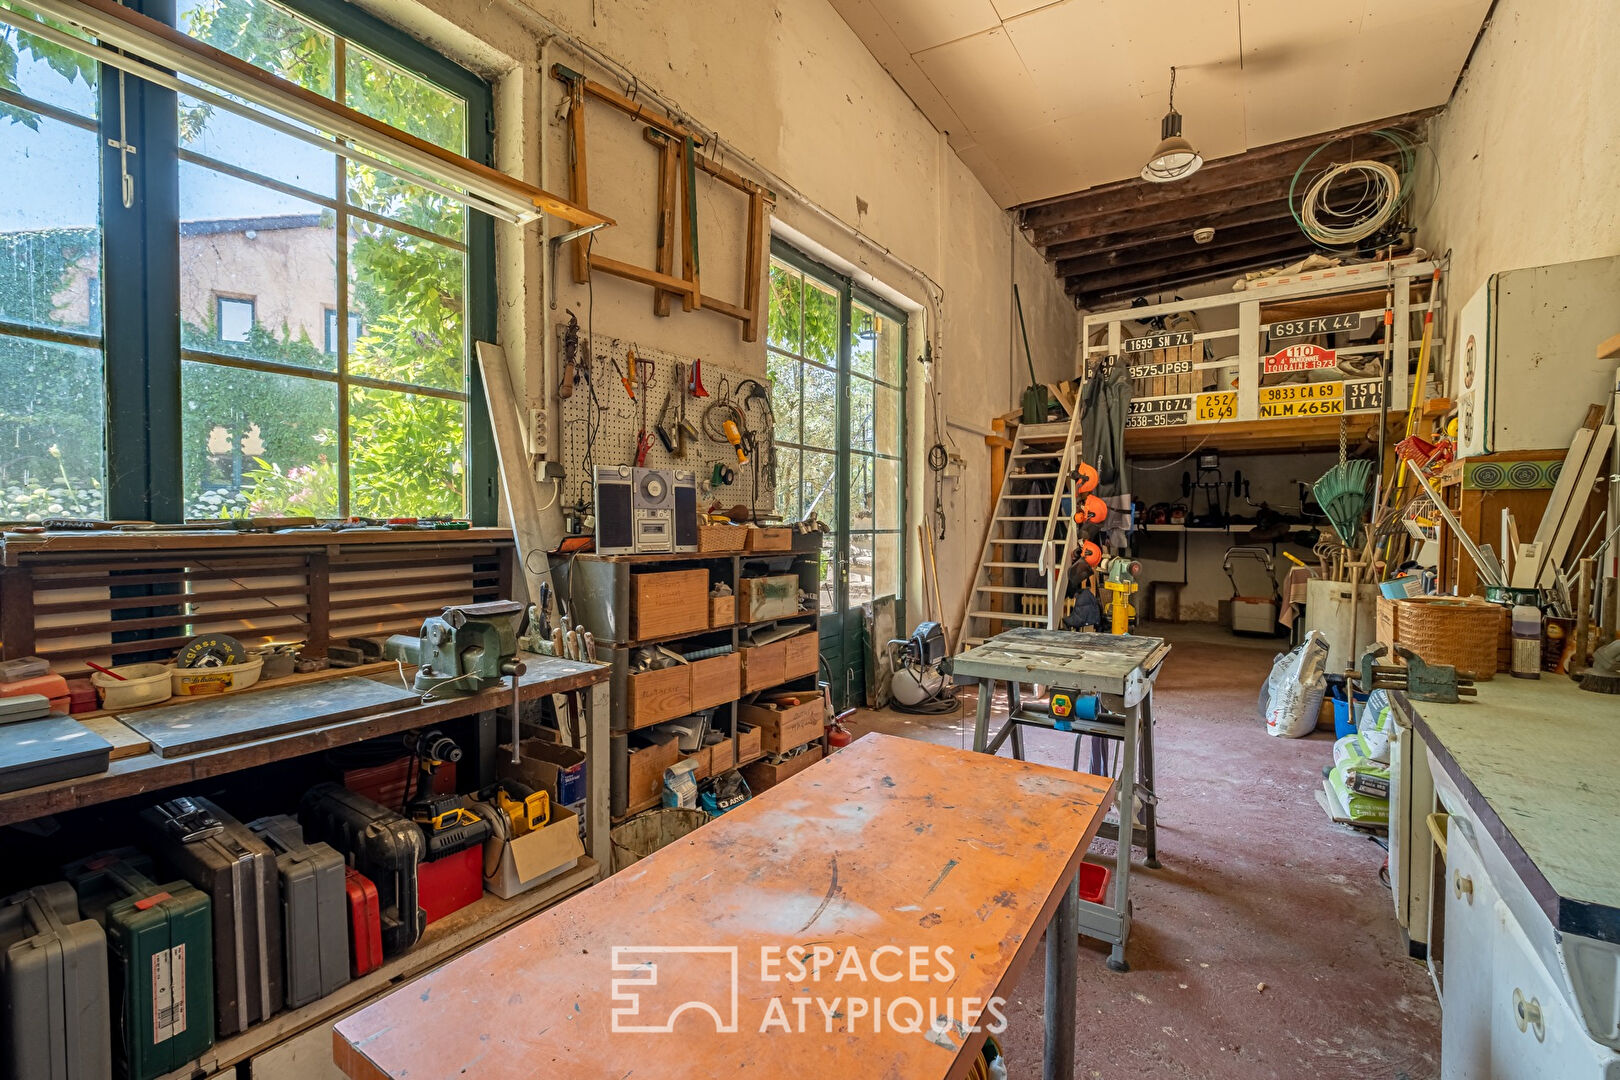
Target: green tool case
{"type": "Point", "coordinates": [160, 960]}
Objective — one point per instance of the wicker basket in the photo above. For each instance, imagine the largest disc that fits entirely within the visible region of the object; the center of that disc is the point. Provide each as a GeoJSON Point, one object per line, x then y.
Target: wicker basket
{"type": "Point", "coordinates": [1462, 632]}
{"type": "Point", "coordinates": [721, 537]}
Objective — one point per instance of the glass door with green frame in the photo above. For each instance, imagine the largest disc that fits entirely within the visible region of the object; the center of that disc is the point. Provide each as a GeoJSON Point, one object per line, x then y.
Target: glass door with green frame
{"type": "Point", "coordinates": [836, 360]}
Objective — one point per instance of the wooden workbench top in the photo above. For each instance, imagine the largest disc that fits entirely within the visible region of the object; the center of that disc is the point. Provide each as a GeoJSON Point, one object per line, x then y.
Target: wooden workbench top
{"type": "Point", "coordinates": [890, 842]}
{"type": "Point", "coordinates": [149, 772]}
{"type": "Point", "coordinates": [1539, 762]}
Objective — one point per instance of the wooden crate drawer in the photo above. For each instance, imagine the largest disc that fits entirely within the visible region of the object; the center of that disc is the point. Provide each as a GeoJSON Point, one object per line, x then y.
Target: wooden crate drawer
{"type": "Point", "coordinates": [775, 539]}
{"type": "Point", "coordinates": [722, 611]}
{"type": "Point", "coordinates": [716, 681]}
{"type": "Point", "coordinates": [655, 696]}
{"type": "Point", "coordinates": [764, 666]}
{"type": "Point", "coordinates": [761, 775]}
{"type": "Point", "coordinates": [722, 756]}
{"type": "Point", "coordinates": [783, 729]}
{"type": "Point", "coordinates": [772, 597]}
{"type": "Point", "coordinates": [748, 747]}
{"type": "Point", "coordinates": [668, 602]}
{"type": "Point", "coordinates": [803, 655]}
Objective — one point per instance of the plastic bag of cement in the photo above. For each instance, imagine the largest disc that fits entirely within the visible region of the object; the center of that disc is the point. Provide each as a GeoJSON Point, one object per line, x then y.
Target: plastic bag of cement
{"type": "Point", "coordinates": [1295, 687]}
{"type": "Point", "coordinates": [680, 785]}
{"type": "Point", "coordinates": [1373, 746]}
{"type": "Point", "coordinates": [1359, 808]}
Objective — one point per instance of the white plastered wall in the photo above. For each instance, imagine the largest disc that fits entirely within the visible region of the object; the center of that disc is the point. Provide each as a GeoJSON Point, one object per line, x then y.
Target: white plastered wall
{"type": "Point", "coordinates": [1526, 149]}
{"type": "Point", "coordinates": [791, 89]}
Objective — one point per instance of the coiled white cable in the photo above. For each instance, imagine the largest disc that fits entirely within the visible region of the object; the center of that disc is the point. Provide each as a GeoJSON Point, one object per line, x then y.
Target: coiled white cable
{"type": "Point", "coordinates": [1378, 203]}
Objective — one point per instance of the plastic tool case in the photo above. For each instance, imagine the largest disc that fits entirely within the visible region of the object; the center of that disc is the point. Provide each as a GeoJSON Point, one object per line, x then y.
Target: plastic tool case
{"type": "Point", "coordinates": [237, 870]}
{"type": "Point", "coordinates": [160, 960]}
{"type": "Point", "coordinates": [314, 919]}
{"type": "Point", "coordinates": [53, 982]}
{"type": "Point", "coordinates": [382, 845]}
{"type": "Point", "coordinates": [365, 923]}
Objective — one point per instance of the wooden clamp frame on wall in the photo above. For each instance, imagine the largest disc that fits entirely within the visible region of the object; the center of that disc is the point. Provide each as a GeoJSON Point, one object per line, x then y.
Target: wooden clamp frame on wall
{"type": "Point", "coordinates": [585, 260]}
{"type": "Point", "coordinates": [679, 161]}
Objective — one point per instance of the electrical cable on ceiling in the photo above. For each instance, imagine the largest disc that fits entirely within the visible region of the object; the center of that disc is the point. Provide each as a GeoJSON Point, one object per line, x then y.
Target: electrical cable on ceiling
{"type": "Point", "coordinates": [1378, 193]}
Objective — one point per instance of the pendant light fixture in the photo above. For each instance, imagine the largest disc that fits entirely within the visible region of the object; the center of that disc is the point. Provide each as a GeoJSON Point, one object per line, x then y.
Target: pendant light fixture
{"type": "Point", "coordinates": [1175, 158]}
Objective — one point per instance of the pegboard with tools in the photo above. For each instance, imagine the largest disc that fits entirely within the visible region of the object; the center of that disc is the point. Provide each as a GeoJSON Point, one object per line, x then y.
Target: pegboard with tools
{"type": "Point", "coordinates": [628, 398]}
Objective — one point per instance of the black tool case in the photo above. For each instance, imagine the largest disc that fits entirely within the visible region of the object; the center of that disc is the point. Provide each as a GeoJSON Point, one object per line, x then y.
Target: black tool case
{"type": "Point", "coordinates": [238, 872]}
{"type": "Point", "coordinates": [160, 961]}
{"type": "Point", "coordinates": [53, 989]}
{"type": "Point", "coordinates": [382, 845]}
{"type": "Point", "coordinates": [315, 910]}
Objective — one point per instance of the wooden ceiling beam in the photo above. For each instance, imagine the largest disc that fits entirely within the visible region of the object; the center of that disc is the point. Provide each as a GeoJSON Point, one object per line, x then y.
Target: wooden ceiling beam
{"type": "Point", "coordinates": [1175, 230]}
{"type": "Point", "coordinates": [1221, 174]}
{"type": "Point", "coordinates": [1193, 267]}
{"type": "Point", "coordinates": [1184, 245]}
{"type": "Point", "coordinates": [1186, 212]}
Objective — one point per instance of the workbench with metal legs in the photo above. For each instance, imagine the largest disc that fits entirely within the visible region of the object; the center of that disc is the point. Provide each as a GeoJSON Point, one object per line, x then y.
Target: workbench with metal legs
{"type": "Point", "coordinates": [1120, 672]}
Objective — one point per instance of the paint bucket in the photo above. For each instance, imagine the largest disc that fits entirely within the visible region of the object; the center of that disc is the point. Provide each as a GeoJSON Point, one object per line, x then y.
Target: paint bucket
{"type": "Point", "coordinates": [1344, 718]}
{"type": "Point", "coordinates": [646, 833]}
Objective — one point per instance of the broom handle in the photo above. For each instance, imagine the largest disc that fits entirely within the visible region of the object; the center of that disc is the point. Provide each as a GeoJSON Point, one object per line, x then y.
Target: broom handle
{"type": "Point", "coordinates": [1028, 359]}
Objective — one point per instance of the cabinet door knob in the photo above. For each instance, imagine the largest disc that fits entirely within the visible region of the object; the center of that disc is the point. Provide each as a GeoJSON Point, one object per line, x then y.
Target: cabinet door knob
{"type": "Point", "coordinates": [1463, 886]}
{"type": "Point", "coordinates": [1527, 1013]}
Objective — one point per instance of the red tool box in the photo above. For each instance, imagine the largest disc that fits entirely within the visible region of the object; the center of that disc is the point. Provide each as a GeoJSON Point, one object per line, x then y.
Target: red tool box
{"type": "Point", "coordinates": [365, 923]}
{"type": "Point", "coordinates": [450, 883]}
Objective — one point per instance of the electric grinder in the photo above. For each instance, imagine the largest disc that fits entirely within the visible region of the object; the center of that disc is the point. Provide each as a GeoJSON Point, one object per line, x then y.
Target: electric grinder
{"type": "Point", "coordinates": [472, 647]}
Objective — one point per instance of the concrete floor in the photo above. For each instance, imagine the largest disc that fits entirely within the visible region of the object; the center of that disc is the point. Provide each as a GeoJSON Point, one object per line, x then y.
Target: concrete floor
{"type": "Point", "coordinates": [1257, 887]}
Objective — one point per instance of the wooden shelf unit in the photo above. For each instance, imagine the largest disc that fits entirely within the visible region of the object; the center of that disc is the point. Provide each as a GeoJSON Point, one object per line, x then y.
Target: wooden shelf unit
{"type": "Point", "coordinates": [597, 589]}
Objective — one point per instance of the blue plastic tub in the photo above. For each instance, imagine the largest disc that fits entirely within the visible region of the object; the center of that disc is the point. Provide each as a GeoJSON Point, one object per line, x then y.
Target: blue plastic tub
{"type": "Point", "coordinates": [1344, 721]}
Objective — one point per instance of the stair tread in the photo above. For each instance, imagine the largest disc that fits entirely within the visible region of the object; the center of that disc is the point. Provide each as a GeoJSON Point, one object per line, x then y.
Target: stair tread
{"type": "Point", "coordinates": [1013, 565]}
{"type": "Point", "coordinates": [1010, 616]}
{"type": "Point", "coordinates": [1018, 517]}
{"type": "Point", "coordinates": [1017, 590]}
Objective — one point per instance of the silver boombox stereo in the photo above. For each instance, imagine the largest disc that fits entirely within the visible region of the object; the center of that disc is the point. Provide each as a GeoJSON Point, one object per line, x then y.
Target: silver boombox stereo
{"type": "Point", "coordinates": [645, 511]}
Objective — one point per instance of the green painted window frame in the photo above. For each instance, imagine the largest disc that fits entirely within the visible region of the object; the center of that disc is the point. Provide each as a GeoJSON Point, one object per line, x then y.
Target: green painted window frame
{"type": "Point", "coordinates": [849, 294]}
{"type": "Point", "coordinates": [141, 346]}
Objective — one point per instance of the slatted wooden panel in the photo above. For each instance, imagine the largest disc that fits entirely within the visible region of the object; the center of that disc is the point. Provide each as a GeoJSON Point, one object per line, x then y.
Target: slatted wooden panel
{"type": "Point", "coordinates": [114, 607]}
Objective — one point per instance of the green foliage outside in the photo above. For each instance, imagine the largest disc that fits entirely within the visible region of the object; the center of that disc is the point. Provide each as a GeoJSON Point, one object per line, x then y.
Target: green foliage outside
{"type": "Point", "coordinates": [278, 452]}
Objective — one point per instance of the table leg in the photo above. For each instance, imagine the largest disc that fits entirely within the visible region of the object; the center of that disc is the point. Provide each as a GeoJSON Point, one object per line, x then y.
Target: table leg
{"type": "Point", "coordinates": [1127, 827]}
{"type": "Point", "coordinates": [1018, 741]}
{"type": "Point", "coordinates": [1062, 973]}
{"type": "Point", "coordinates": [598, 780]}
{"type": "Point", "coordinates": [1150, 823]}
{"type": "Point", "coordinates": [981, 723]}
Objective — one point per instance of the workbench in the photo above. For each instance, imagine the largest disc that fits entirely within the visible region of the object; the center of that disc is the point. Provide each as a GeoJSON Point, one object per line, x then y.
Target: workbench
{"type": "Point", "coordinates": [148, 774]}
{"type": "Point", "coordinates": [1528, 962]}
{"type": "Point", "coordinates": [665, 969]}
{"type": "Point", "coordinates": [1120, 670]}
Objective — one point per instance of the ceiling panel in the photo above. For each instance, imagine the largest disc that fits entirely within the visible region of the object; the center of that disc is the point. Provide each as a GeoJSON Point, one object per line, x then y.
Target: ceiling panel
{"type": "Point", "coordinates": [1060, 95]}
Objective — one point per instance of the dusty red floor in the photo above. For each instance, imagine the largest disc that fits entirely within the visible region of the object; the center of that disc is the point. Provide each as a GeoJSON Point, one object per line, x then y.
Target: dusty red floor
{"type": "Point", "coordinates": [1257, 887]}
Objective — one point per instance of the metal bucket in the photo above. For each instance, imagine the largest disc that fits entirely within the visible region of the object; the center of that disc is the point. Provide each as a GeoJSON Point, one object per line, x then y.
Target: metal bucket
{"type": "Point", "coordinates": [646, 833]}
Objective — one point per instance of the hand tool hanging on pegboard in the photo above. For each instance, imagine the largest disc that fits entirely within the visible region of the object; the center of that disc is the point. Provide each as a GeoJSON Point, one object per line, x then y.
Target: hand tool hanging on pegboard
{"type": "Point", "coordinates": [645, 371]}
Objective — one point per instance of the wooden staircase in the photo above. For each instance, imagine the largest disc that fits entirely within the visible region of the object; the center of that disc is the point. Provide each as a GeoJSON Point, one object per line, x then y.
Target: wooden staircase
{"type": "Point", "coordinates": [1011, 587]}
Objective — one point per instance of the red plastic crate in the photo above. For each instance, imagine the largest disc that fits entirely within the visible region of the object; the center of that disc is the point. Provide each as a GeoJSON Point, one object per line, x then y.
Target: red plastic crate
{"type": "Point", "coordinates": [449, 884]}
{"type": "Point", "coordinates": [1094, 883]}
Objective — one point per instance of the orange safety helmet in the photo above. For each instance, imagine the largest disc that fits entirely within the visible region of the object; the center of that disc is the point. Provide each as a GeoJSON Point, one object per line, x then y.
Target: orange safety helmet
{"type": "Point", "coordinates": [1092, 510]}
{"type": "Point", "coordinates": [1091, 553]}
{"type": "Point", "coordinates": [1085, 479]}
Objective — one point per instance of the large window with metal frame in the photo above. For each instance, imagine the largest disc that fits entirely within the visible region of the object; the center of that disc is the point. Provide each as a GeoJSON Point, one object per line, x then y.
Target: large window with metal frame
{"type": "Point", "coordinates": [835, 355]}
{"type": "Point", "coordinates": [274, 245]}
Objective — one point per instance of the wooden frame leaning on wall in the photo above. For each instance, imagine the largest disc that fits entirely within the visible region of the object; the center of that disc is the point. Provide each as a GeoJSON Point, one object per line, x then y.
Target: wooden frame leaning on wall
{"type": "Point", "coordinates": [680, 160]}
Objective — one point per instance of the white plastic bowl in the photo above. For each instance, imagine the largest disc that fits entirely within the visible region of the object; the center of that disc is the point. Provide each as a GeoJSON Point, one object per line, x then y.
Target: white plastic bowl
{"type": "Point", "coordinates": [200, 681]}
{"type": "Point", "coordinates": [143, 684]}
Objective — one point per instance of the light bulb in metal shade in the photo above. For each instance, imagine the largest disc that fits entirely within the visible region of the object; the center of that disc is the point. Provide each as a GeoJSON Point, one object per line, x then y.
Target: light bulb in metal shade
{"type": "Point", "coordinates": [1174, 158]}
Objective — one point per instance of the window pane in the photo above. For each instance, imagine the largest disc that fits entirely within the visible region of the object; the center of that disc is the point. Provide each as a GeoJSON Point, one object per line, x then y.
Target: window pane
{"type": "Point", "coordinates": [407, 454]}
{"type": "Point", "coordinates": [819, 494]}
{"type": "Point", "coordinates": [860, 414]}
{"type": "Point", "coordinates": [890, 333]}
{"type": "Point", "coordinates": [860, 568]}
{"type": "Point", "coordinates": [256, 443]}
{"type": "Point", "coordinates": [862, 339]}
{"type": "Point", "coordinates": [886, 564]}
{"type": "Point", "coordinates": [238, 141]}
{"type": "Point", "coordinates": [399, 200]}
{"type": "Point", "coordinates": [47, 72]}
{"type": "Point", "coordinates": [409, 295]}
{"type": "Point", "coordinates": [266, 35]}
{"type": "Point", "coordinates": [52, 412]}
{"type": "Point", "coordinates": [398, 98]}
{"type": "Point", "coordinates": [829, 576]}
{"type": "Point", "coordinates": [785, 308]}
{"type": "Point", "coordinates": [860, 491]}
{"type": "Point", "coordinates": [821, 328]}
{"type": "Point", "coordinates": [820, 407]}
{"type": "Point", "coordinates": [784, 375]}
{"type": "Point", "coordinates": [886, 420]}
{"type": "Point", "coordinates": [886, 511]}
{"type": "Point", "coordinates": [787, 484]}
{"type": "Point", "coordinates": [50, 226]}
{"type": "Point", "coordinates": [248, 242]}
